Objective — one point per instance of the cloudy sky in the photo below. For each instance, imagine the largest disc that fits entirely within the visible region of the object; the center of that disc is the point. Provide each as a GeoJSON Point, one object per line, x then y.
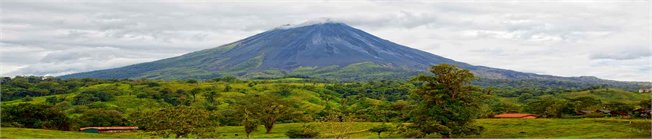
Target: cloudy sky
{"type": "Point", "coordinates": [606, 39]}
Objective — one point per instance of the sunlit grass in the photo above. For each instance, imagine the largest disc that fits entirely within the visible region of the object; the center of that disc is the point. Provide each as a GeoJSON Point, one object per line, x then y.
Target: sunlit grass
{"type": "Point", "coordinates": [494, 128]}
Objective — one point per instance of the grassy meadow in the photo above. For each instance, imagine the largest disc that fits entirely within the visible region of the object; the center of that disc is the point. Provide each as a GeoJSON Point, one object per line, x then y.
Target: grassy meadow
{"type": "Point", "coordinates": [494, 128]}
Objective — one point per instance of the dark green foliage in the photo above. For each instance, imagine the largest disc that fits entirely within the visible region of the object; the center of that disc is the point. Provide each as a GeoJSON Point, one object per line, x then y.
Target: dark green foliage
{"type": "Point", "coordinates": [34, 86]}
{"type": "Point", "coordinates": [176, 98]}
{"type": "Point", "coordinates": [35, 116]}
{"type": "Point", "coordinates": [306, 131]}
{"type": "Point", "coordinates": [100, 117]}
{"type": "Point", "coordinates": [230, 117]}
{"type": "Point", "coordinates": [619, 107]}
{"type": "Point", "coordinates": [585, 102]}
{"type": "Point", "coordinates": [89, 97]}
{"type": "Point", "coordinates": [27, 99]}
{"type": "Point", "coordinates": [499, 106]}
{"type": "Point", "coordinates": [227, 88]}
{"type": "Point", "coordinates": [445, 103]}
{"type": "Point", "coordinates": [227, 79]}
{"type": "Point", "coordinates": [194, 93]}
{"type": "Point", "coordinates": [547, 106]}
{"type": "Point", "coordinates": [646, 104]}
{"type": "Point", "coordinates": [53, 100]}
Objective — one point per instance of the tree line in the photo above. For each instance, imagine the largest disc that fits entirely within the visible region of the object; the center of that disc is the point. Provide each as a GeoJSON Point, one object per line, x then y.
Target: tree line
{"type": "Point", "coordinates": [442, 104]}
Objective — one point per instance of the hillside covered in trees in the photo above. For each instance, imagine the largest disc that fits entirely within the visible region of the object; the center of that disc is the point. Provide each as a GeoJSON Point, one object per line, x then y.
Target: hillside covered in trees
{"type": "Point", "coordinates": [67, 104]}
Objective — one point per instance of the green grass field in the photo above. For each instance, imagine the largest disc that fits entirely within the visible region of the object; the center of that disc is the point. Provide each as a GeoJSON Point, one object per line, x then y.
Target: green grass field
{"type": "Point", "coordinates": [494, 128]}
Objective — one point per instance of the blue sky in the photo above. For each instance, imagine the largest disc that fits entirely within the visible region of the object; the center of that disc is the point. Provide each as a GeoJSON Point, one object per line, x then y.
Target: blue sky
{"type": "Point", "coordinates": [606, 39]}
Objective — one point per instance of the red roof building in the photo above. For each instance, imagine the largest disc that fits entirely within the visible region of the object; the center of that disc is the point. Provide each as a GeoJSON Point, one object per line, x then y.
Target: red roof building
{"type": "Point", "coordinates": [516, 115]}
{"type": "Point", "coordinates": [103, 129]}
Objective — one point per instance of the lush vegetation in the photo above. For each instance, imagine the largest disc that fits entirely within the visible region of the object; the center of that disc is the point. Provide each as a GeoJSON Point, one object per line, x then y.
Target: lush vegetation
{"type": "Point", "coordinates": [444, 102]}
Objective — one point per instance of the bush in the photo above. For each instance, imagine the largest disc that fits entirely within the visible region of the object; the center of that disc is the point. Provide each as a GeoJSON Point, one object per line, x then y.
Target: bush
{"type": "Point", "coordinates": [307, 131]}
{"type": "Point", "coordinates": [27, 99]}
{"type": "Point", "coordinates": [53, 100]}
{"type": "Point", "coordinates": [102, 118]}
{"type": "Point", "coordinates": [35, 116]}
{"type": "Point", "coordinates": [180, 121]}
{"type": "Point", "coordinates": [89, 97]}
{"type": "Point", "coordinates": [380, 129]}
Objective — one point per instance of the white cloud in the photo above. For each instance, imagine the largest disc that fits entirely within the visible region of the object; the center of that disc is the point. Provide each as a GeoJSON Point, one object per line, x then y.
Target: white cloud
{"type": "Point", "coordinates": [578, 38]}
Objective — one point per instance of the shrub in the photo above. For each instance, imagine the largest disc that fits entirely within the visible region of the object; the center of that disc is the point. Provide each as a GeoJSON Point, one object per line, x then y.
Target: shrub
{"type": "Point", "coordinates": [380, 129]}
{"type": "Point", "coordinates": [35, 116]}
{"type": "Point", "coordinates": [102, 118]}
{"type": "Point", "coordinates": [307, 131]}
{"type": "Point", "coordinates": [89, 97]}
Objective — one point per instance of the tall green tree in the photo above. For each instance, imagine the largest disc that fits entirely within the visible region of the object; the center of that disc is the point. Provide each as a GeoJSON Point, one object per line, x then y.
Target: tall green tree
{"type": "Point", "coordinates": [248, 122]}
{"type": "Point", "coordinates": [446, 103]}
{"type": "Point", "coordinates": [180, 121]}
{"type": "Point", "coordinates": [99, 117]}
{"type": "Point", "coordinates": [546, 106]}
{"type": "Point", "coordinates": [266, 108]}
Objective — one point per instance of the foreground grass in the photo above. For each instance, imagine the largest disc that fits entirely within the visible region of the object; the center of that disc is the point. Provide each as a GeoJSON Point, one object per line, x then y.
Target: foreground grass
{"type": "Point", "coordinates": [6, 132]}
{"type": "Point", "coordinates": [565, 128]}
{"type": "Point", "coordinates": [494, 128]}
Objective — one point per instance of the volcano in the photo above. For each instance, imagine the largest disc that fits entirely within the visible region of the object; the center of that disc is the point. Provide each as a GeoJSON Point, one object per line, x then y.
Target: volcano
{"type": "Point", "coordinates": [324, 49]}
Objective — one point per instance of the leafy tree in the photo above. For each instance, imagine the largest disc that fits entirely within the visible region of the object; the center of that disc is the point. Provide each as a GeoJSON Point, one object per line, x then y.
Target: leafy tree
{"type": "Point", "coordinates": [250, 124]}
{"type": "Point", "coordinates": [501, 106]}
{"type": "Point", "coordinates": [266, 108]}
{"type": "Point", "coordinates": [210, 97]}
{"type": "Point", "coordinates": [227, 88]}
{"type": "Point", "coordinates": [445, 103]}
{"type": "Point", "coordinates": [546, 106]}
{"type": "Point", "coordinates": [99, 117]}
{"type": "Point", "coordinates": [194, 93]}
{"type": "Point", "coordinates": [230, 117]}
{"type": "Point", "coordinates": [180, 121]}
{"type": "Point", "coordinates": [380, 129]}
{"type": "Point", "coordinates": [35, 116]}
{"type": "Point", "coordinates": [585, 102]}
{"type": "Point", "coordinates": [176, 98]}
{"type": "Point", "coordinates": [88, 97]}
{"type": "Point", "coordinates": [524, 97]}
{"type": "Point", "coordinates": [619, 107]}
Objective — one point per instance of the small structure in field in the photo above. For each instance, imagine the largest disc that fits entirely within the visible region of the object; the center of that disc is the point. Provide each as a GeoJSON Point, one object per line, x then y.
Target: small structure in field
{"type": "Point", "coordinates": [516, 115]}
{"type": "Point", "coordinates": [645, 90]}
{"type": "Point", "coordinates": [108, 129]}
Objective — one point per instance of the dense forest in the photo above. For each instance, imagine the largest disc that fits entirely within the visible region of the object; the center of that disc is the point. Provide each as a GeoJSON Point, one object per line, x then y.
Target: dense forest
{"type": "Point", "coordinates": [449, 103]}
